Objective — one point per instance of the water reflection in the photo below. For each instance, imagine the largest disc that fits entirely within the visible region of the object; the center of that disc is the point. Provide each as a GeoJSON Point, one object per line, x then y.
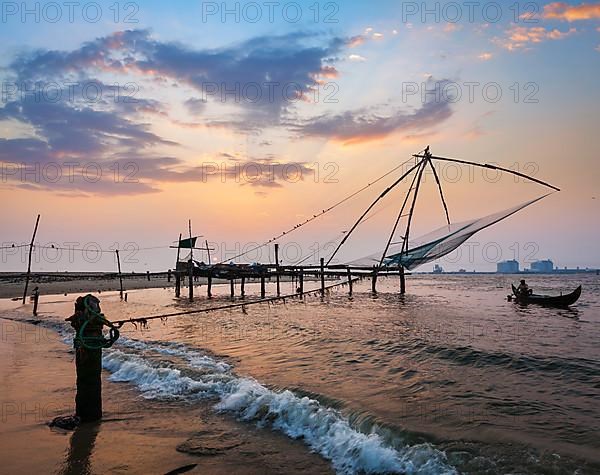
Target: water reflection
{"type": "Point", "coordinates": [81, 447]}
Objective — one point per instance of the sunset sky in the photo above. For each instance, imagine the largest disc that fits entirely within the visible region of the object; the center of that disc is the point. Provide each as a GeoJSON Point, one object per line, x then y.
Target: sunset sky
{"type": "Point", "coordinates": [119, 123]}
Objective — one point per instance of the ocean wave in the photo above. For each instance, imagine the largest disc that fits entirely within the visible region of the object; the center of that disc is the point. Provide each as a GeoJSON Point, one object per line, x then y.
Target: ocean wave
{"type": "Point", "coordinates": [325, 430]}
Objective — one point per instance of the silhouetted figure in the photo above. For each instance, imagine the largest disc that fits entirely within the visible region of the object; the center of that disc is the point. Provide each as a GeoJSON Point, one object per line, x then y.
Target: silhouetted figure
{"type": "Point", "coordinates": [523, 288]}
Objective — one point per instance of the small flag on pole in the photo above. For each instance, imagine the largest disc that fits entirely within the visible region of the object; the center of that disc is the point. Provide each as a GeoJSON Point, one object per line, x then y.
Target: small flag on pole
{"type": "Point", "coordinates": [188, 243]}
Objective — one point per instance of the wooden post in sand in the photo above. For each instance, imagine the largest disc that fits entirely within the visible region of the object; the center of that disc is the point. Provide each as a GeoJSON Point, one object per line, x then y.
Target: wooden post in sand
{"type": "Point", "coordinates": [29, 265]}
{"type": "Point", "coordinates": [232, 288]}
{"type": "Point", "coordinates": [120, 275]}
{"type": "Point", "coordinates": [36, 298]}
{"type": "Point", "coordinates": [301, 282]}
{"type": "Point", "coordinates": [169, 276]}
{"type": "Point", "coordinates": [243, 288]}
{"type": "Point", "coordinates": [209, 286]}
{"type": "Point", "coordinates": [262, 287]}
{"type": "Point", "coordinates": [88, 361]}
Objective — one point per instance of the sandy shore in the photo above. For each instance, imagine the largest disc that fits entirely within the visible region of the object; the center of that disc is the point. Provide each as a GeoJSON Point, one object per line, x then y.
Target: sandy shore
{"type": "Point", "coordinates": [13, 288]}
{"type": "Point", "coordinates": [136, 435]}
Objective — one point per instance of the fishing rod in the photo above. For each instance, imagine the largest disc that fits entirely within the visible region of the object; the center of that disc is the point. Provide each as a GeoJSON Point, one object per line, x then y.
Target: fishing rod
{"type": "Point", "coordinates": [144, 320]}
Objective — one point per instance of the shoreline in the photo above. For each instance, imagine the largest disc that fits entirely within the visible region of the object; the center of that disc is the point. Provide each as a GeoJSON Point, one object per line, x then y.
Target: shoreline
{"type": "Point", "coordinates": [136, 435]}
{"type": "Point", "coordinates": [61, 284]}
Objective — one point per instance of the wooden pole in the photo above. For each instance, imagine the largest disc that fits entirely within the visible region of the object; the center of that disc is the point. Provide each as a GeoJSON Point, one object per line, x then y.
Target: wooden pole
{"type": "Point", "coordinates": [120, 275]}
{"type": "Point", "coordinates": [209, 287]}
{"type": "Point", "coordinates": [262, 286]}
{"type": "Point", "coordinates": [232, 288]}
{"type": "Point", "coordinates": [169, 276]}
{"type": "Point", "coordinates": [191, 265]}
{"type": "Point", "coordinates": [374, 280]}
{"type": "Point", "coordinates": [177, 275]}
{"type": "Point", "coordinates": [405, 242]}
{"type": "Point", "coordinates": [439, 184]}
{"type": "Point", "coordinates": [301, 281]}
{"type": "Point", "coordinates": [349, 282]}
{"type": "Point", "coordinates": [277, 269]}
{"type": "Point", "coordinates": [371, 206]}
{"type": "Point", "coordinates": [36, 298]}
{"type": "Point", "coordinates": [243, 288]}
{"type": "Point", "coordinates": [88, 362]}
{"type": "Point", "coordinates": [485, 165]}
{"type": "Point", "coordinates": [37, 221]}
{"type": "Point", "coordinates": [322, 276]}
{"type": "Point", "coordinates": [400, 215]}
{"type": "Point", "coordinates": [207, 251]}
{"type": "Point", "coordinates": [402, 281]}
{"type": "Point", "coordinates": [178, 251]}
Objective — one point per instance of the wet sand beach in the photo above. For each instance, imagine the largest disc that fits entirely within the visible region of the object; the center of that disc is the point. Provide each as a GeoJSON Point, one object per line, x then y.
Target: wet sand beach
{"type": "Point", "coordinates": [136, 435]}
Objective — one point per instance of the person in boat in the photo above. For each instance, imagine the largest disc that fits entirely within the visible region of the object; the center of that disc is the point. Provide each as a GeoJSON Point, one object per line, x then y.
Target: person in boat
{"type": "Point", "coordinates": [523, 288]}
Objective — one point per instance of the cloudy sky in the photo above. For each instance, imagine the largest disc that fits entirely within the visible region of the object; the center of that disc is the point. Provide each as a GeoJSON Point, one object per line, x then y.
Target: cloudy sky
{"type": "Point", "coordinates": [120, 121]}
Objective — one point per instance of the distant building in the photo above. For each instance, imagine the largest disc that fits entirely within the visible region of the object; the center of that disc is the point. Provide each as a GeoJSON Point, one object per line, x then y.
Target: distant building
{"type": "Point", "coordinates": [507, 267]}
{"type": "Point", "coordinates": [542, 266]}
{"type": "Point", "coordinates": [437, 269]}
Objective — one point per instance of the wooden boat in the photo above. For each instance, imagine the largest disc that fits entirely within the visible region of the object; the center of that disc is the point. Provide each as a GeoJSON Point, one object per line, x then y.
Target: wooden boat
{"type": "Point", "coordinates": [554, 301]}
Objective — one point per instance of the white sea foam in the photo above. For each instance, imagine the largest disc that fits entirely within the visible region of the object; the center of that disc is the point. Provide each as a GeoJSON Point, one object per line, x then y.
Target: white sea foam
{"type": "Point", "coordinates": [323, 429]}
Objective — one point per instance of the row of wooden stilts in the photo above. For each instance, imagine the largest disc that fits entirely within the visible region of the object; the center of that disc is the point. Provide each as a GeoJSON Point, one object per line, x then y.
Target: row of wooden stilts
{"type": "Point", "coordinates": [299, 274]}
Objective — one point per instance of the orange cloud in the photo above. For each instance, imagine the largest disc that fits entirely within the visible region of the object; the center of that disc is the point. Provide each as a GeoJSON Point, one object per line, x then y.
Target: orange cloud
{"type": "Point", "coordinates": [356, 41]}
{"type": "Point", "coordinates": [570, 13]}
{"type": "Point", "coordinates": [519, 37]}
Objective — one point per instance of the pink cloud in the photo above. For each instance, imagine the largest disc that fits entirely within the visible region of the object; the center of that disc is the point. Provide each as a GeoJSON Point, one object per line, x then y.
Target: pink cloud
{"type": "Point", "coordinates": [519, 37]}
{"type": "Point", "coordinates": [570, 13]}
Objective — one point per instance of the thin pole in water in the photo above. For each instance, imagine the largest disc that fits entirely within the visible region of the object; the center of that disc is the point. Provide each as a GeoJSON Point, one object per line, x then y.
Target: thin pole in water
{"type": "Point", "coordinates": [29, 264]}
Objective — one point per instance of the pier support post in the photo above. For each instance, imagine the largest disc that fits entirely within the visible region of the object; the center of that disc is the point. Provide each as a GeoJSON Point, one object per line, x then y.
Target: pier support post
{"type": "Point", "coordinates": [177, 285]}
{"type": "Point", "coordinates": [232, 288]}
{"type": "Point", "coordinates": [209, 287]}
{"type": "Point", "coordinates": [169, 276]}
{"type": "Point", "coordinates": [191, 280]}
{"type": "Point", "coordinates": [349, 281]}
{"type": "Point", "coordinates": [402, 281]}
{"type": "Point", "coordinates": [322, 276]}
{"type": "Point", "coordinates": [374, 280]}
{"type": "Point", "coordinates": [243, 288]}
{"type": "Point", "coordinates": [262, 287]}
{"type": "Point", "coordinates": [301, 282]}
{"type": "Point", "coordinates": [277, 269]}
